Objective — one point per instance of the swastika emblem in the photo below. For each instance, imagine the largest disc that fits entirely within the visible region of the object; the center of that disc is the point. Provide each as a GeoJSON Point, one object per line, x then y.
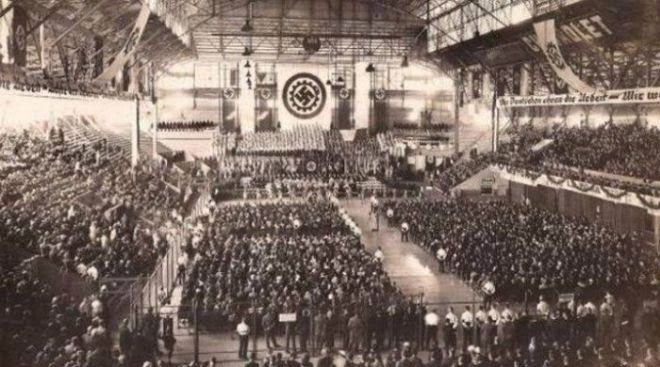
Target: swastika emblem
{"type": "Point", "coordinates": [304, 95]}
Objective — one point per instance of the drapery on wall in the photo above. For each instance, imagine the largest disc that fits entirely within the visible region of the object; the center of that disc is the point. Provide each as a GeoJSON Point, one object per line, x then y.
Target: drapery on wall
{"type": "Point", "coordinates": [619, 217]}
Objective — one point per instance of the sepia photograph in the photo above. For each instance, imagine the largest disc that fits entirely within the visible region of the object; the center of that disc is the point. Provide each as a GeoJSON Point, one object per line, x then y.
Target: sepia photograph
{"type": "Point", "coordinates": [329, 183]}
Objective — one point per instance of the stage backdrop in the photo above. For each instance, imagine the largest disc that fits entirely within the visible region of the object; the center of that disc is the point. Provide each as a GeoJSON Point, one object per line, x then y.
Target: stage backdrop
{"type": "Point", "coordinates": [303, 96]}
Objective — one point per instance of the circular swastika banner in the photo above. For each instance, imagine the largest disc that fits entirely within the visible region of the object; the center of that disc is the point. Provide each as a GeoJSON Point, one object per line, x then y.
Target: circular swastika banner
{"type": "Point", "coordinates": [304, 95]}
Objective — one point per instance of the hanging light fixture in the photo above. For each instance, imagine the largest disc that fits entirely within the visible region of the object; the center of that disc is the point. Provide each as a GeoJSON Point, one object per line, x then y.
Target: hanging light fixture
{"type": "Point", "coordinates": [340, 79]}
{"type": "Point", "coordinates": [247, 27]}
{"type": "Point", "coordinates": [247, 51]}
{"type": "Point", "coordinates": [404, 62]}
{"type": "Point", "coordinates": [370, 68]}
{"type": "Point", "coordinates": [247, 64]}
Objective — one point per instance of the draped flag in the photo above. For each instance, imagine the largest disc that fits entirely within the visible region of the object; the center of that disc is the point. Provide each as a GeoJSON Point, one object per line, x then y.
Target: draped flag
{"type": "Point", "coordinates": [129, 46]}
{"type": "Point", "coordinates": [547, 39]}
{"type": "Point", "coordinates": [19, 33]}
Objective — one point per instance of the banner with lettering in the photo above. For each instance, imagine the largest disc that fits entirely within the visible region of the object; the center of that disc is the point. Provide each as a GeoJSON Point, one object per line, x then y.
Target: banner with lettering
{"type": "Point", "coordinates": [623, 96]}
{"type": "Point", "coordinates": [129, 46]}
{"type": "Point", "coordinates": [547, 38]}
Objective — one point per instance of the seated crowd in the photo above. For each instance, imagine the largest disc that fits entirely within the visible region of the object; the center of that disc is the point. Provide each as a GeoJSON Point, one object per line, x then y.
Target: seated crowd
{"type": "Point", "coordinates": [295, 258]}
{"type": "Point", "coordinates": [527, 252]}
{"type": "Point", "coordinates": [186, 125]}
{"type": "Point", "coordinates": [43, 85]}
{"type": "Point", "coordinates": [43, 214]}
{"type": "Point", "coordinates": [297, 140]}
{"type": "Point", "coordinates": [629, 150]}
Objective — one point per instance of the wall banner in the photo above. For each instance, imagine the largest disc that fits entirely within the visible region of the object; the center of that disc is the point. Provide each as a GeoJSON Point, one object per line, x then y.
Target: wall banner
{"type": "Point", "coordinates": [623, 96]}
{"type": "Point", "coordinates": [547, 37]}
{"type": "Point", "coordinates": [19, 32]}
{"type": "Point", "coordinates": [129, 46]}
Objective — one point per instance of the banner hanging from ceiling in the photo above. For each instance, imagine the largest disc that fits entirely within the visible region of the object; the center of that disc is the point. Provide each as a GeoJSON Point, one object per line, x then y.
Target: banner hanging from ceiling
{"type": "Point", "coordinates": [19, 33]}
{"type": "Point", "coordinates": [547, 39]}
{"type": "Point", "coordinates": [623, 96]}
{"type": "Point", "coordinates": [303, 95]}
{"type": "Point", "coordinates": [129, 46]}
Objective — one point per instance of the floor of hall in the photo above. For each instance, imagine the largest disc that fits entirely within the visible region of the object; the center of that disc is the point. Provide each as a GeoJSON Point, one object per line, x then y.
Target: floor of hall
{"type": "Point", "coordinates": [413, 269]}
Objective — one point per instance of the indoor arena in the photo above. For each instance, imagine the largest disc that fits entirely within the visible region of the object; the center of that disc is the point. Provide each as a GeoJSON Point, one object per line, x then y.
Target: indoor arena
{"type": "Point", "coordinates": [329, 183]}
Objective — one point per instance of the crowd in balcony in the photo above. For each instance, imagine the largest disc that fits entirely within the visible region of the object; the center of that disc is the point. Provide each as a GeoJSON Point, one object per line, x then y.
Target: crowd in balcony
{"type": "Point", "coordinates": [186, 125]}
{"type": "Point", "coordinates": [41, 216]}
{"type": "Point", "coordinates": [40, 85]}
{"type": "Point", "coordinates": [628, 150]}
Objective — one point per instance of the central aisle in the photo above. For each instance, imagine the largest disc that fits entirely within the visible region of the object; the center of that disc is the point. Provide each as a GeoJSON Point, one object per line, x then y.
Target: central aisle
{"type": "Point", "coordinates": [414, 270]}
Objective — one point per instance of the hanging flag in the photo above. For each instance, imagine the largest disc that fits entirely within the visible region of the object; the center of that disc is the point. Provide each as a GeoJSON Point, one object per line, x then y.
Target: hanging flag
{"type": "Point", "coordinates": [129, 46]}
{"type": "Point", "coordinates": [19, 35]}
{"type": "Point", "coordinates": [547, 39]}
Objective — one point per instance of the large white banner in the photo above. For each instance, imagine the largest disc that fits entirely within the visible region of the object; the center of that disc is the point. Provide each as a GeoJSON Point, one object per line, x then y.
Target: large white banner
{"type": "Point", "coordinates": [547, 38]}
{"type": "Point", "coordinates": [610, 97]}
{"type": "Point", "coordinates": [303, 97]}
{"type": "Point", "coordinates": [129, 46]}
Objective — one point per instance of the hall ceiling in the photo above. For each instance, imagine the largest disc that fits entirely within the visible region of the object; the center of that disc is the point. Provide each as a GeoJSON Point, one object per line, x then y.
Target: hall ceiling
{"type": "Point", "coordinates": [347, 29]}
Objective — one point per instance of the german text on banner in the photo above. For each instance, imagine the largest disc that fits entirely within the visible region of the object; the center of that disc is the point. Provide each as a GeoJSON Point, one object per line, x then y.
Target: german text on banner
{"type": "Point", "coordinates": [547, 39]}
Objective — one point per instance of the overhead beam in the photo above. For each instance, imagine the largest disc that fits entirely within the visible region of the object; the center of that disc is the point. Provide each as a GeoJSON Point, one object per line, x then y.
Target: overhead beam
{"type": "Point", "coordinates": [79, 17]}
{"type": "Point", "coordinates": [320, 35]}
{"type": "Point", "coordinates": [7, 9]}
{"type": "Point", "coordinates": [36, 7]}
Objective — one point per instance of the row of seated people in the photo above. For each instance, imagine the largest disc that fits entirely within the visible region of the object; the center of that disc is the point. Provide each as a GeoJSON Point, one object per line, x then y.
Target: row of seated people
{"type": "Point", "coordinates": [47, 221]}
{"type": "Point", "coordinates": [359, 146]}
{"type": "Point", "coordinates": [627, 150]}
{"type": "Point", "coordinates": [42, 217]}
{"type": "Point", "coordinates": [280, 257]}
{"type": "Point", "coordinates": [223, 143]}
{"type": "Point", "coordinates": [460, 168]}
{"type": "Point", "coordinates": [297, 140]}
{"type": "Point", "coordinates": [55, 87]}
{"type": "Point", "coordinates": [186, 125]}
{"type": "Point", "coordinates": [311, 164]}
{"type": "Point", "coordinates": [526, 252]}
{"type": "Point", "coordinates": [41, 327]}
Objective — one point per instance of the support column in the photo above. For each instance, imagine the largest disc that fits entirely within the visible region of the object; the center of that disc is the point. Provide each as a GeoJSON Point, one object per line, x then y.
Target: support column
{"type": "Point", "coordinates": [246, 100]}
{"type": "Point", "coordinates": [496, 126]}
{"type": "Point", "coordinates": [656, 231]}
{"type": "Point", "coordinates": [6, 16]}
{"type": "Point", "coordinates": [135, 135]}
{"type": "Point", "coordinates": [457, 121]}
{"type": "Point", "coordinates": [154, 147]}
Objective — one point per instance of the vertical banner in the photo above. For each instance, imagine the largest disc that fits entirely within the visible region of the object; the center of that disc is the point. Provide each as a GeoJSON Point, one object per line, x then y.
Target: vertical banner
{"type": "Point", "coordinates": [547, 39]}
{"type": "Point", "coordinates": [229, 113]}
{"type": "Point", "coordinates": [477, 84]}
{"type": "Point", "coordinates": [98, 56]}
{"type": "Point", "coordinates": [19, 36]}
{"type": "Point", "coordinates": [129, 46]}
{"type": "Point", "coordinates": [264, 111]}
{"type": "Point", "coordinates": [380, 110]}
{"type": "Point", "coordinates": [343, 97]}
{"type": "Point", "coordinates": [517, 79]}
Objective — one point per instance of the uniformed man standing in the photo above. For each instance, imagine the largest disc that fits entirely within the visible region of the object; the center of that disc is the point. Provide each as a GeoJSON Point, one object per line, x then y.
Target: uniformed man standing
{"type": "Point", "coordinates": [243, 331]}
{"type": "Point", "coordinates": [450, 329]}
{"type": "Point", "coordinates": [441, 255]}
{"type": "Point", "coordinates": [404, 231]}
{"type": "Point", "coordinates": [467, 323]}
{"type": "Point", "coordinates": [431, 321]}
